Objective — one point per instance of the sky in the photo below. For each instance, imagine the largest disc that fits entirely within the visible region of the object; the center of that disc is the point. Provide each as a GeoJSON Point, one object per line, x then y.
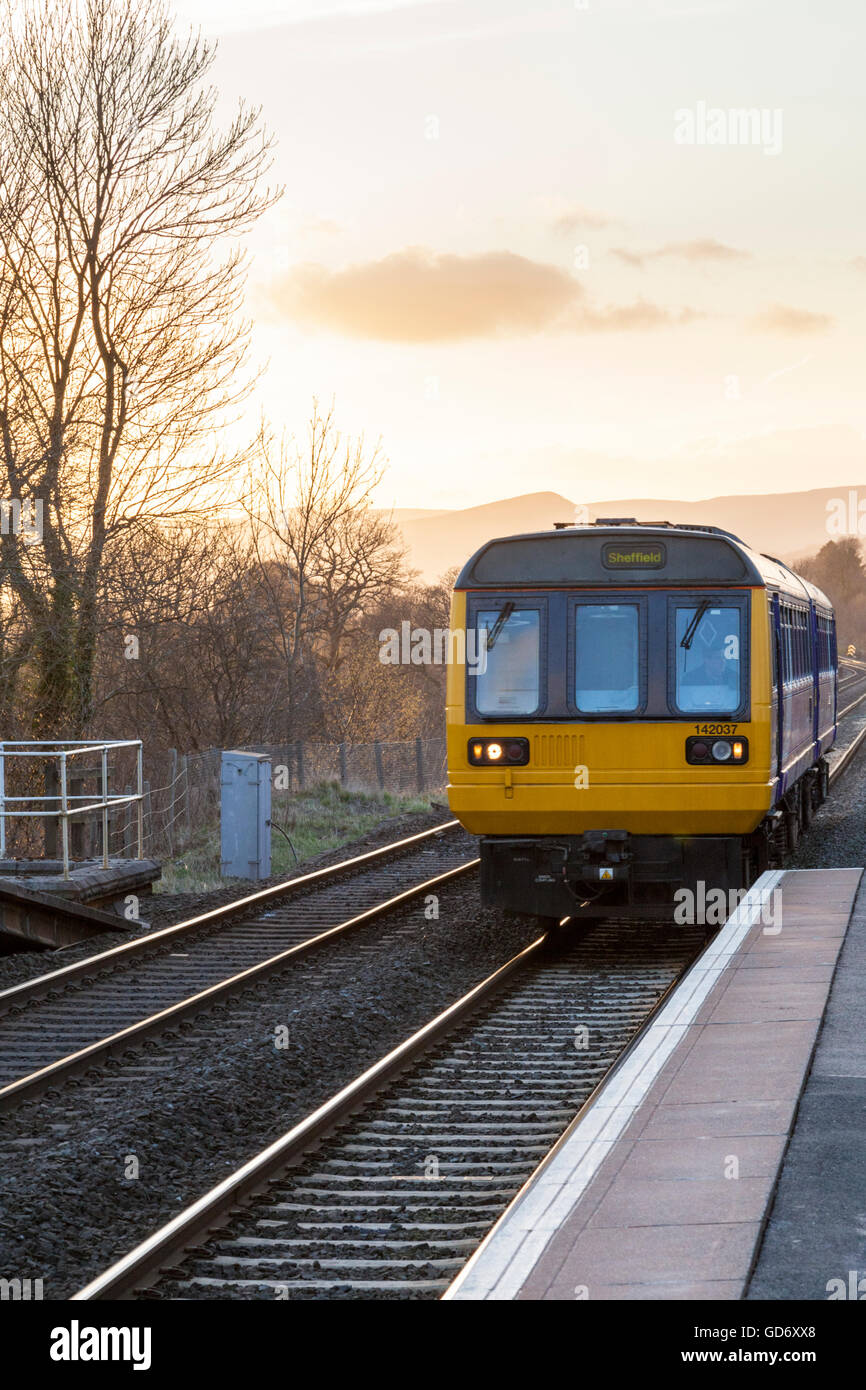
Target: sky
{"type": "Point", "coordinates": [533, 246]}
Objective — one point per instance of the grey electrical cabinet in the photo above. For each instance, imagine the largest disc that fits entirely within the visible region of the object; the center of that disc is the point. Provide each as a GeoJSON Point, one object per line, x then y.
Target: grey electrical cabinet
{"type": "Point", "coordinates": [245, 815]}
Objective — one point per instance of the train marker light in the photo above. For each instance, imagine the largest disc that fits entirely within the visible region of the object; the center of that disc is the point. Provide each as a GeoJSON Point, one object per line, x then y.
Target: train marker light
{"type": "Point", "coordinates": [738, 751]}
{"type": "Point", "coordinates": [490, 752]}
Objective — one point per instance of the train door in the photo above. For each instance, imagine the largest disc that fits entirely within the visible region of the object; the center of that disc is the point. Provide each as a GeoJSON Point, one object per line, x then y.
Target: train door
{"type": "Point", "coordinates": [815, 649]}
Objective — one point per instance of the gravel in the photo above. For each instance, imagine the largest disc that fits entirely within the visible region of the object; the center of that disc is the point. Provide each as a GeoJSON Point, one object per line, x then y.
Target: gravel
{"type": "Point", "coordinates": [219, 1090]}
{"type": "Point", "coordinates": [186, 1109]}
{"type": "Point", "coordinates": [165, 909]}
{"type": "Point", "coordinates": [836, 838]}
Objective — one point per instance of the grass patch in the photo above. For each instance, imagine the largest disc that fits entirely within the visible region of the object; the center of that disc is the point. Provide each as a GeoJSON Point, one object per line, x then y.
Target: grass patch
{"type": "Point", "coordinates": [315, 820]}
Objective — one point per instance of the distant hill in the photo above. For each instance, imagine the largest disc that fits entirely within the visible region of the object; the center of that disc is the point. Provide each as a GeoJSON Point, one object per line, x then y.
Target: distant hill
{"type": "Point", "coordinates": [790, 526]}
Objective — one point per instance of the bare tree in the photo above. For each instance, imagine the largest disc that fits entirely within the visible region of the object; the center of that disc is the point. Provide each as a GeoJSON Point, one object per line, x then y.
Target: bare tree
{"type": "Point", "coordinates": [205, 666]}
{"type": "Point", "coordinates": [310, 517]}
{"type": "Point", "coordinates": [121, 349]}
{"type": "Point", "coordinates": [361, 561]}
{"type": "Point", "coordinates": [839, 570]}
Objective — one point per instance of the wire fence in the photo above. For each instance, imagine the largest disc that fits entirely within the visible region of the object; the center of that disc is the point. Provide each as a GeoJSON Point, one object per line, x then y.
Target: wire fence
{"type": "Point", "coordinates": [186, 797]}
{"type": "Point", "coordinates": [181, 792]}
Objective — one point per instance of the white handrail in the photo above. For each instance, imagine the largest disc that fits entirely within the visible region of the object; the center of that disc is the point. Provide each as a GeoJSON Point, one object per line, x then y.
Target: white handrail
{"type": "Point", "coordinates": [64, 749]}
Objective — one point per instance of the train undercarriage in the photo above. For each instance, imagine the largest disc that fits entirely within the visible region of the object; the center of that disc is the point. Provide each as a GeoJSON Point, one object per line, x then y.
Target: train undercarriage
{"type": "Point", "coordinates": [604, 871]}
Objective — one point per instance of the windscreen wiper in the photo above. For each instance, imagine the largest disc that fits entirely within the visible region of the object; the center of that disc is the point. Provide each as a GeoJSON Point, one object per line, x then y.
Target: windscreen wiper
{"type": "Point", "coordinates": [689, 634]}
{"type": "Point", "coordinates": [504, 614]}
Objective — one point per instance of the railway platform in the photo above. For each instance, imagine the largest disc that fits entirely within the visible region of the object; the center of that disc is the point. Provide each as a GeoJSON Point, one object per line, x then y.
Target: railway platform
{"type": "Point", "coordinates": [725, 1155]}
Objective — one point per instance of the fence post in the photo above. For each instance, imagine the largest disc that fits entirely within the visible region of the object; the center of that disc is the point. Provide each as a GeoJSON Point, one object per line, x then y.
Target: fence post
{"type": "Point", "coordinates": [148, 816]}
{"type": "Point", "coordinates": [299, 752]}
{"type": "Point", "coordinates": [169, 824]}
{"type": "Point", "coordinates": [127, 824]}
{"type": "Point", "coordinates": [188, 816]}
{"type": "Point", "coordinates": [343, 764]}
{"type": "Point", "coordinates": [419, 763]}
{"type": "Point", "coordinates": [380, 771]}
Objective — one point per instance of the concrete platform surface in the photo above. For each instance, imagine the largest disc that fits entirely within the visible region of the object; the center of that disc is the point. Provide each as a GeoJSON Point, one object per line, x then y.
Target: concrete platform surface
{"type": "Point", "coordinates": [663, 1186]}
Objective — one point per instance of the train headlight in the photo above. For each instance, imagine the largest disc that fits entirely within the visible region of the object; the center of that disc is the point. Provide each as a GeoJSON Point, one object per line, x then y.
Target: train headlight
{"type": "Point", "coordinates": [497, 752]}
{"type": "Point", "coordinates": [709, 751]}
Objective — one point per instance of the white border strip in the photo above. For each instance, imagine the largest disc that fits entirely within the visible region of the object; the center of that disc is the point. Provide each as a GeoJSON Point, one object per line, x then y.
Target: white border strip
{"type": "Point", "coordinates": [501, 1264]}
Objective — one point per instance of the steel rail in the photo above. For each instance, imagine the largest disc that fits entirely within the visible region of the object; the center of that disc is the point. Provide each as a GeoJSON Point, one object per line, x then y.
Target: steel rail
{"type": "Point", "coordinates": [44, 984]}
{"type": "Point", "coordinates": [76, 1062]}
{"type": "Point", "coordinates": [216, 1206]}
{"type": "Point", "coordinates": [840, 714]}
{"type": "Point", "coordinates": [845, 759]}
{"type": "Point", "coordinates": [212, 1209]}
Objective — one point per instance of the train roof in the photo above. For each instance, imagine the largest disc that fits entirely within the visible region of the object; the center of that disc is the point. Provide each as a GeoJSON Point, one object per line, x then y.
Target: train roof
{"type": "Point", "coordinates": [619, 552]}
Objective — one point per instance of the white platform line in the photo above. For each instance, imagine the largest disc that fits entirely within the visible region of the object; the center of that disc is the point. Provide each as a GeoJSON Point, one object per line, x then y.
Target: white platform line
{"type": "Point", "coordinates": [502, 1263]}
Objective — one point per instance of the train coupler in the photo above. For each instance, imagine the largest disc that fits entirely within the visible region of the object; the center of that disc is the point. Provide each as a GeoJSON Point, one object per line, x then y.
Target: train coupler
{"type": "Point", "coordinates": [601, 856]}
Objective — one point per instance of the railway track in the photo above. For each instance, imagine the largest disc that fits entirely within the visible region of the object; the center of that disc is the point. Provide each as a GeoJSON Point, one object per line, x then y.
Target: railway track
{"type": "Point", "coordinates": [387, 1189]}
{"type": "Point", "coordinates": [65, 1022]}
{"type": "Point", "coordinates": [852, 678]}
{"type": "Point", "coordinates": [430, 1169]}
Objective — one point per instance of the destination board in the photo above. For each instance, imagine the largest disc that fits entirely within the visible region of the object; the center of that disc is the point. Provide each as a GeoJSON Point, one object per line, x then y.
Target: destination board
{"type": "Point", "coordinates": [634, 556]}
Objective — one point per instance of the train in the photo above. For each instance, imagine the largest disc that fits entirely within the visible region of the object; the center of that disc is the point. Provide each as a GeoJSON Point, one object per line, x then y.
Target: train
{"type": "Point", "coordinates": [637, 708]}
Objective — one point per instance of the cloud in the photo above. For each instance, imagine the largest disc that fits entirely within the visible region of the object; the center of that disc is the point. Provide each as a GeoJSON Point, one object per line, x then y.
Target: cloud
{"type": "Point", "coordinates": [419, 296]}
{"type": "Point", "coordinates": [321, 227]}
{"type": "Point", "coordinates": [697, 251]}
{"type": "Point", "coordinates": [783, 318]}
{"type": "Point", "coordinates": [859, 262]}
{"type": "Point", "coordinates": [628, 318]}
{"type": "Point", "coordinates": [576, 218]}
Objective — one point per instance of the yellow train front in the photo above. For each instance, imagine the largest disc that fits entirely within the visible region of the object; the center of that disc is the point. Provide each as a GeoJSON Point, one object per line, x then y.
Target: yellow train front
{"type": "Point", "coordinates": [634, 709]}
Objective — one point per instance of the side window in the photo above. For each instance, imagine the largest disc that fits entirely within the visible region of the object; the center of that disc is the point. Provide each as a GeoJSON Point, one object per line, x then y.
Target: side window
{"type": "Point", "coordinates": [805, 663]}
{"type": "Point", "coordinates": [707, 655]}
{"type": "Point", "coordinates": [508, 680]}
{"type": "Point", "coordinates": [606, 657]}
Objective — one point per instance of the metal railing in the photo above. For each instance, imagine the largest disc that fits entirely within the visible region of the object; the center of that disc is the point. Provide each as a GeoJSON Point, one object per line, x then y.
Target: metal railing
{"type": "Point", "coordinates": [64, 750]}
